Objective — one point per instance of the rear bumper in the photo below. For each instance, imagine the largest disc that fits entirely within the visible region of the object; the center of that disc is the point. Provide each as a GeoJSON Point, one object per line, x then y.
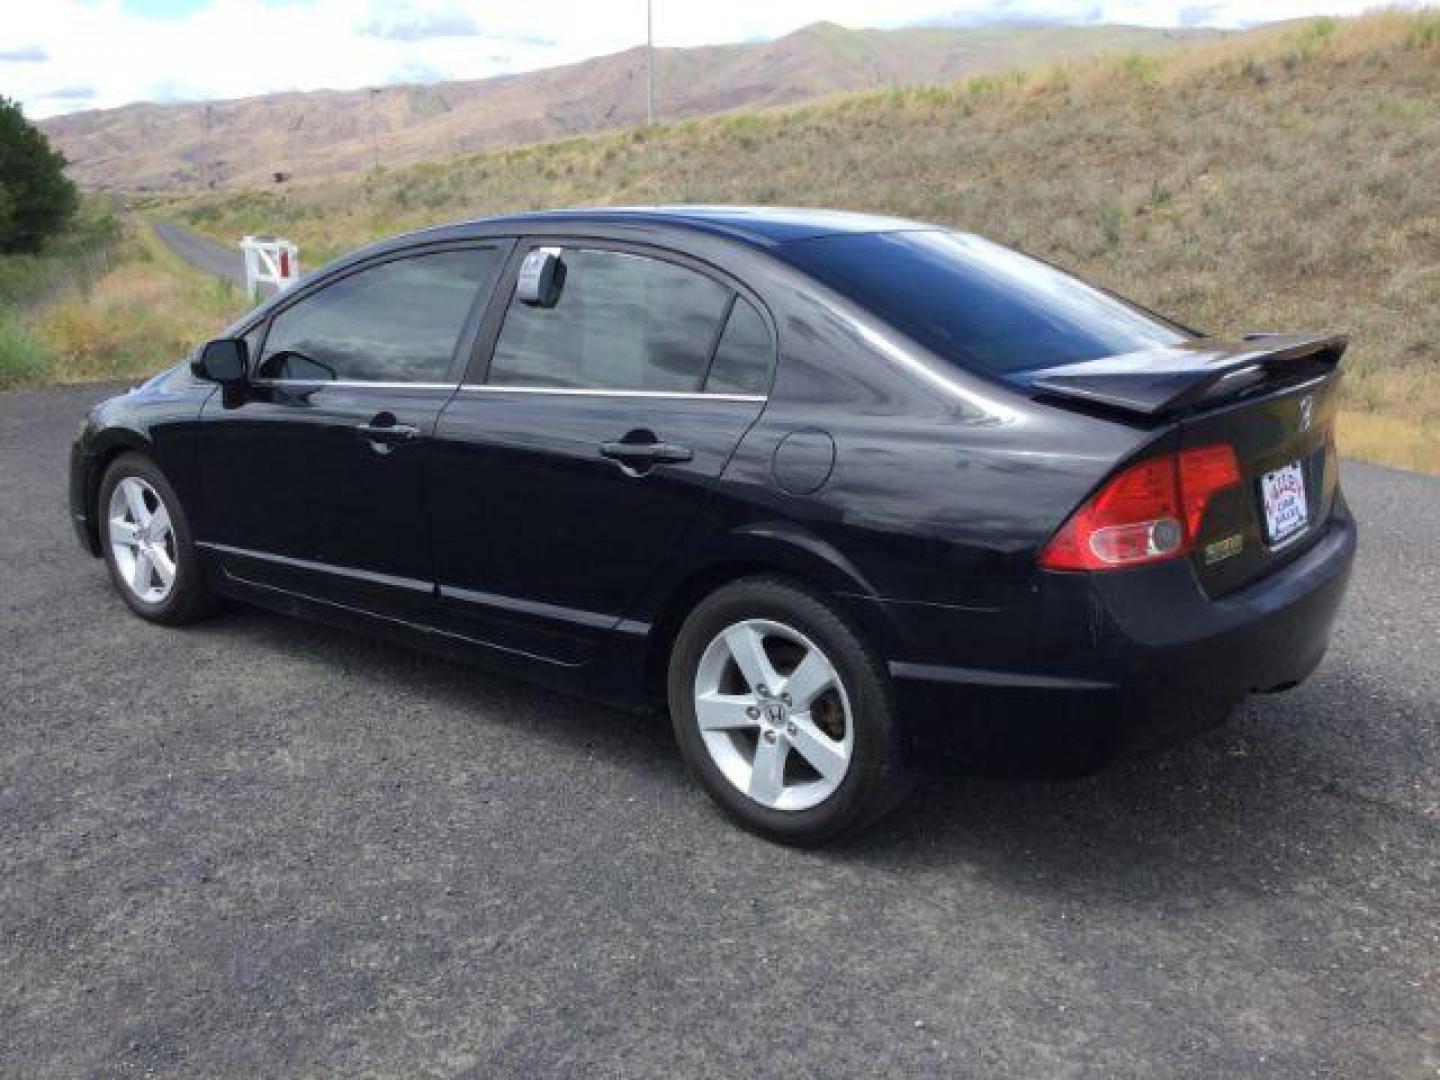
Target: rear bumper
{"type": "Point", "coordinates": [1168, 635]}
{"type": "Point", "coordinates": [1145, 635]}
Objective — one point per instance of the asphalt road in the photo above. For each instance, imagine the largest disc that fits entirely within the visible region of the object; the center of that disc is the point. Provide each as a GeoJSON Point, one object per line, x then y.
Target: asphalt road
{"type": "Point", "coordinates": [203, 253]}
{"type": "Point", "coordinates": [260, 848]}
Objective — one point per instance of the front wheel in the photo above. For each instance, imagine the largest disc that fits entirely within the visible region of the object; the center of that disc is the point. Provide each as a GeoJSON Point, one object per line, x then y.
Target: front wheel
{"type": "Point", "coordinates": [784, 713]}
{"type": "Point", "coordinates": [148, 546]}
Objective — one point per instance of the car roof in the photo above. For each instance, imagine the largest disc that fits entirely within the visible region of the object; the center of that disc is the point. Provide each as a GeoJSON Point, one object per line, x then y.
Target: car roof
{"type": "Point", "coordinates": [761, 226]}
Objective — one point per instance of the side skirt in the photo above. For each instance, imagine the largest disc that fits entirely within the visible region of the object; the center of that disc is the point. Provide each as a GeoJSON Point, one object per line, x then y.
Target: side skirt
{"type": "Point", "coordinates": [614, 676]}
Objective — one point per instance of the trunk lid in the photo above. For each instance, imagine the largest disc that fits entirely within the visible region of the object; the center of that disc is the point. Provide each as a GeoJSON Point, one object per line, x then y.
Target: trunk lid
{"type": "Point", "coordinates": [1285, 443]}
{"type": "Point", "coordinates": [1272, 398]}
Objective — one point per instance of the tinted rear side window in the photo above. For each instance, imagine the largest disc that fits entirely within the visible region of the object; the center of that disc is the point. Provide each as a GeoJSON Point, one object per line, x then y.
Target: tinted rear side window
{"type": "Point", "coordinates": [978, 304]}
{"type": "Point", "coordinates": [624, 322]}
{"type": "Point", "coordinates": [743, 357]}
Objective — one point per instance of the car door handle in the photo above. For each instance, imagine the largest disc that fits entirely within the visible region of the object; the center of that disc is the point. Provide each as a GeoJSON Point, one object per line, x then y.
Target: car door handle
{"type": "Point", "coordinates": [387, 433]}
{"type": "Point", "coordinates": [644, 454]}
{"type": "Point", "coordinates": [382, 434]}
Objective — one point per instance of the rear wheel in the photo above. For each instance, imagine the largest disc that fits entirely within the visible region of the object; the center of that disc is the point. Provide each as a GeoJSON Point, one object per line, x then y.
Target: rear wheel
{"type": "Point", "coordinates": [784, 713]}
{"type": "Point", "coordinates": [148, 546]}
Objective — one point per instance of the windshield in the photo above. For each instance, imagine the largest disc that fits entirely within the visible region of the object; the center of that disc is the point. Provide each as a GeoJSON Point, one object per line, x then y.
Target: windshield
{"type": "Point", "coordinates": [978, 304]}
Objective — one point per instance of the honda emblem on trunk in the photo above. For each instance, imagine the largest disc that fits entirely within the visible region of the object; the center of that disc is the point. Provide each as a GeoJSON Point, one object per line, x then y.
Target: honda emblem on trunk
{"type": "Point", "coordinates": [1307, 412]}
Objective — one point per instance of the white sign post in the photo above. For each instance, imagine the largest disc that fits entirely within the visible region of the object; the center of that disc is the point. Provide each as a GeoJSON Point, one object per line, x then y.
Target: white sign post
{"type": "Point", "coordinates": [269, 261]}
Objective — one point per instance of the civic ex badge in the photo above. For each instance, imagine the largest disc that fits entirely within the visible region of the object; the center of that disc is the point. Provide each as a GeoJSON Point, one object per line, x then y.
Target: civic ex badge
{"type": "Point", "coordinates": [1223, 549]}
{"type": "Point", "coordinates": [1307, 412]}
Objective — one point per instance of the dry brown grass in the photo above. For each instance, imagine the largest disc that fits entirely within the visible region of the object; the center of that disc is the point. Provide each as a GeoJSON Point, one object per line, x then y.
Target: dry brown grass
{"type": "Point", "coordinates": [140, 317]}
{"type": "Point", "coordinates": [1283, 179]}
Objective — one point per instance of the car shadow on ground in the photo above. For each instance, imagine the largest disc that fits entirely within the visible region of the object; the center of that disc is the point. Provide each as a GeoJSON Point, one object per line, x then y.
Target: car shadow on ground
{"type": "Point", "coordinates": [1153, 828]}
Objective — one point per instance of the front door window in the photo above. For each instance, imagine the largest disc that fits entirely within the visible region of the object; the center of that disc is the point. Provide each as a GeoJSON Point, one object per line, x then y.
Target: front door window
{"type": "Point", "coordinates": [394, 322]}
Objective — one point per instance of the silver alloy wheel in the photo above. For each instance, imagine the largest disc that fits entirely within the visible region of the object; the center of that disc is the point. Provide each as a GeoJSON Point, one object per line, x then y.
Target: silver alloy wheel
{"type": "Point", "coordinates": [762, 690]}
{"type": "Point", "coordinates": [142, 540]}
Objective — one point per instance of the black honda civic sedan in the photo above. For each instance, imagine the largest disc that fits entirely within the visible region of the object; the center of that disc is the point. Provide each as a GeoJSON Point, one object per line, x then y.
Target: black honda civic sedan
{"type": "Point", "coordinates": [828, 486]}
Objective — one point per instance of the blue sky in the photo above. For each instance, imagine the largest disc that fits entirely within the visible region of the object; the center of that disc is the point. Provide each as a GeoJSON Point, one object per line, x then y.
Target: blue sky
{"type": "Point", "coordinates": [175, 50]}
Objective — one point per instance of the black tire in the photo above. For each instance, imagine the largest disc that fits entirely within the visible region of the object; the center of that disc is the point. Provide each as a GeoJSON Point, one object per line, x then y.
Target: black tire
{"type": "Point", "coordinates": [189, 597]}
{"type": "Point", "coordinates": [878, 775]}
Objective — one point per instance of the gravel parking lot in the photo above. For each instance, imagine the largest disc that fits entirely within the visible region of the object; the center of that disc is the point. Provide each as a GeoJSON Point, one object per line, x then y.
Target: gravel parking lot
{"type": "Point", "coordinates": [261, 848]}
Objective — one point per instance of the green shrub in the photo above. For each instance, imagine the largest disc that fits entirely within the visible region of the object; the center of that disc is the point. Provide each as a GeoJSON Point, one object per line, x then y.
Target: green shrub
{"type": "Point", "coordinates": [1424, 34]}
{"type": "Point", "coordinates": [1111, 217]}
{"type": "Point", "coordinates": [22, 359]}
{"type": "Point", "coordinates": [1142, 67]}
{"type": "Point", "coordinates": [37, 199]}
{"type": "Point", "coordinates": [1255, 71]}
{"type": "Point", "coordinates": [1318, 30]}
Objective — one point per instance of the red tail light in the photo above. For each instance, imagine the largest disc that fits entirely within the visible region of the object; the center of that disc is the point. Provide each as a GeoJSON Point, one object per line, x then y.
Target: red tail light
{"type": "Point", "coordinates": [1147, 513]}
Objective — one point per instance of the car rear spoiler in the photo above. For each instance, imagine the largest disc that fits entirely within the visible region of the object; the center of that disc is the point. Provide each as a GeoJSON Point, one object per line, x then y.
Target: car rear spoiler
{"type": "Point", "coordinates": [1157, 382]}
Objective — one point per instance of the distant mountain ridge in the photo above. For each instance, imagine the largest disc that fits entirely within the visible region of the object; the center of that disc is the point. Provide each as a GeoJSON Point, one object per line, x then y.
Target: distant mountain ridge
{"type": "Point", "coordinates": [324, 132]}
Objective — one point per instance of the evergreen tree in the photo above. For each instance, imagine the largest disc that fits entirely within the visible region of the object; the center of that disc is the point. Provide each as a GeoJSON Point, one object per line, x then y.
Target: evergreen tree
{"type": "Point", "coordinates": [37, 199]}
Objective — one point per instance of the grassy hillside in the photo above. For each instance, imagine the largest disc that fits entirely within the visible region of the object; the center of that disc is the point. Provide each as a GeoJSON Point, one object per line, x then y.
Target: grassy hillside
{"type": "Point", "coordinates": [323, 133]}
{"type": "Point", "coordinates": [1284, 179]}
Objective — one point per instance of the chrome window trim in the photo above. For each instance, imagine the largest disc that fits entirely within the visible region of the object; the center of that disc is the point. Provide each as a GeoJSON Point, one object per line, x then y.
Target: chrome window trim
{"type": "Point", "coordinates": [690, 395]}
{"type": "Point", "coordinates": [683, 395]}
{"type": "Point", "coordinates": [360, 383]}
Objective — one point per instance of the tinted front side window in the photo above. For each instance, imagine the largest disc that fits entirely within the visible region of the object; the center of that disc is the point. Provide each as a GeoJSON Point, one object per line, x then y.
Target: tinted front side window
{"type": "Point", "coordinates": [624, 322]}
{"type": "Point", "coordinates": [742, 359]}
{"type": "Point", "coordinates": [397, 321]}
{"type": "Point", "coordinates": [978, 304]}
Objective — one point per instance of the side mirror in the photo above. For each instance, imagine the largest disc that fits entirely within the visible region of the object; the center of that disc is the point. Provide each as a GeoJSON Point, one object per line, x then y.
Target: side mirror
{"type": "Point", "coordinates": [542, 278]}
{"type": "Point", "coordinates": [224, 360]}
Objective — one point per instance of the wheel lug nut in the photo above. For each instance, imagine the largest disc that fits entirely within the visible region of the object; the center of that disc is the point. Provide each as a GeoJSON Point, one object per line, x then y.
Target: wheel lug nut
{"type": "Point", "coordinates": [753, 712]}
{"type": "Point", "coordinates": [785, 698]}
{"type": "Point", "coordinates": [770, 736]}
{"type": "Point", "coordinates": [789, 729]}
{"type": "Point", "coordinates": [763, 690]}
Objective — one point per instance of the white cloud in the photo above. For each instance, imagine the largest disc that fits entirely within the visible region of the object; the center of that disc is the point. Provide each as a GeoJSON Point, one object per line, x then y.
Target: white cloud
{"type": "Point", "coordinates": [234, 48]}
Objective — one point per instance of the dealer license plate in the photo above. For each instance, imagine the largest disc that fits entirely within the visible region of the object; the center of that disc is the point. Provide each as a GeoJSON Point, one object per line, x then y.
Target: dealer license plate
{"type": "Point", "coordinates": [1282, 493]}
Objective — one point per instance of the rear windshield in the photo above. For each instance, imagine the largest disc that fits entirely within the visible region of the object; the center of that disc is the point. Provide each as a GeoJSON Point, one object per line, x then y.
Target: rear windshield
{"type": "Point", "coordinates": [978, 304]}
